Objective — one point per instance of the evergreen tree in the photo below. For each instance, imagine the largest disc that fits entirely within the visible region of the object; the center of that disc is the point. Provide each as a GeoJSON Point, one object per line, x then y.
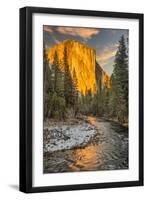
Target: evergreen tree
{"type": "Point", "coordinates": [59, 81]}
{"type": "Point", "coordinates": [68, 84]}
{"type": "Point", "coordinates": [105, 97]}
{"type": "Point", "coordinates": [112, 98]}
{"type": "Point", "coordinates": [47, 82]}
{"type": "Point", "coordinates": [75, 92]}
{"type": "Point", "coordinates": [75, 86]}
{"type": "Point", "coordinates": [55, 68]}
{"type": "Point", "coordinates": [58, 76]}
{"type": "Point", "coordinates": [99, 102]}
{"type": "Point", "coordinates": [120, 82]}
{"type": "Point", "coordinates": [45, 70]}
{"type": "Point", "coordinates": [57, 105]}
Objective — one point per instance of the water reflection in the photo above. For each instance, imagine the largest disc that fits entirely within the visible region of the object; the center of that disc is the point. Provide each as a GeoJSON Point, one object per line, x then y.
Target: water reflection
{"type": "Point", "coordinates": [108, 150]}
{"type": "Point", "coordinates": [85, 159]}
{"type": "Point", "coordinates": [92, 120]}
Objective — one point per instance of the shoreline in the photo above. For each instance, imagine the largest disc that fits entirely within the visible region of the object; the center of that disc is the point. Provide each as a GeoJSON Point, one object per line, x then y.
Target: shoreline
{"type": "Point", "coordinates": [67, 134]}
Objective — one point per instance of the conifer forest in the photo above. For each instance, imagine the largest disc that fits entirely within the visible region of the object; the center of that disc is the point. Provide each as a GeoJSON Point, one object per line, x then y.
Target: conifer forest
{"type": "Point", "coordinates": [85, 105]}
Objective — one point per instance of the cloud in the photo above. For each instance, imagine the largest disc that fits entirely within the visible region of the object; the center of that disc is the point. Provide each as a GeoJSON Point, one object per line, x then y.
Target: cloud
{"type": "Point", "coordinates": [106, 54]}
{"type": "Point", "coordinates": [47, 29]}
{"type": "Point", "coordinates": [84, 33]}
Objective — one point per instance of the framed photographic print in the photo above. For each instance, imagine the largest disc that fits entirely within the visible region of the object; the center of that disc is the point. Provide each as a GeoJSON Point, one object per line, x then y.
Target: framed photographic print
{"type": "Point", "coordinates": [81, 99]}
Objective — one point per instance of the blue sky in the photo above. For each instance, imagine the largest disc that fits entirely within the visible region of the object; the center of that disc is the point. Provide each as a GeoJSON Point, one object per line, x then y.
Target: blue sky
{"type": "Point", "coordinates": [104, 41]}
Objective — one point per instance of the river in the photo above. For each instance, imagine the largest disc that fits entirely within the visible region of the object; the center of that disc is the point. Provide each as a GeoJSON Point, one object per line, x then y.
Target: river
{"type": "Point", "coordinates": [108, 150]}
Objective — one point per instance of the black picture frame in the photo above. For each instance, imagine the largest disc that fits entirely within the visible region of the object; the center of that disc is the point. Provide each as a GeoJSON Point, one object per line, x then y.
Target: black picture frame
{"type": "Point", "coordinates": [26, 156]}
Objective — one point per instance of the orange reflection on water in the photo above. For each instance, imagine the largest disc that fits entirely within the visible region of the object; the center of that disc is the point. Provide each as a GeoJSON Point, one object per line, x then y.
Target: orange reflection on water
{"type": "Point", "coordinates": [92, 120]}
{"type": "Point", "coordinates": [85, 159]}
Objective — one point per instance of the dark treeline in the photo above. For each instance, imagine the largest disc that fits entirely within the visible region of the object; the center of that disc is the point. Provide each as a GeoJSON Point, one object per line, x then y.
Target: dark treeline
{"type": "Point", "coordinates": [59, 89]}
{"type": "Point", "coordinates": [62, 99]}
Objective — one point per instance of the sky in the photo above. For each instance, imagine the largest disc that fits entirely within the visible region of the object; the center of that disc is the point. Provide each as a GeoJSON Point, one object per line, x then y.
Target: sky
{"type": "Point", "coordinates": [104, 41]}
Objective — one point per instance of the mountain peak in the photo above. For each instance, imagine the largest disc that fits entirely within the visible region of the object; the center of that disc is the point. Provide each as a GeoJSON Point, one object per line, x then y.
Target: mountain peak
{"type": "Point", "coordinates": [72, 42]}
{"type": "Point", "coordinates": [81, 59]}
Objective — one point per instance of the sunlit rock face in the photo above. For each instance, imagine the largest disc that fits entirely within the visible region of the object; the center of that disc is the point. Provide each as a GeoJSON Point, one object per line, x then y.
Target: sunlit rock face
{"type": "Point", "coordinates": [83, 59]}
{"type": "Point", "coordinates": [102, 78]}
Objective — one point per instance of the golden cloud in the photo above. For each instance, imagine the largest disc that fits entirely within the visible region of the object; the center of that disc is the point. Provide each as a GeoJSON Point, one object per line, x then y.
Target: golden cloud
{"type": "Point", "coordinates": [106, 54]}
{"type": "Point", "coordinates": [82, 32]}
{"type": "Point", "coordinates": [47, 29]}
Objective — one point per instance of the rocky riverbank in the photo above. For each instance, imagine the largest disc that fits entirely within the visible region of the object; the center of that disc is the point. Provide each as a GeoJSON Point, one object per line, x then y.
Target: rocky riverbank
{"type": "Point", "coordinates": [67, 134]}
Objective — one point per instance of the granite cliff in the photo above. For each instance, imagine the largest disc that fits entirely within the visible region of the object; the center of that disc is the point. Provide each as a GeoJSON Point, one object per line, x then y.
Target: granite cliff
{"type": "Point", "coordinates": [82, 59]}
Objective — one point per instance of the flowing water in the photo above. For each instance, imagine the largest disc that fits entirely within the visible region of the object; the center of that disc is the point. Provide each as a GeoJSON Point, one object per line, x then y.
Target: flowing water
{"type": "Point", "coordinates": [108, 150]}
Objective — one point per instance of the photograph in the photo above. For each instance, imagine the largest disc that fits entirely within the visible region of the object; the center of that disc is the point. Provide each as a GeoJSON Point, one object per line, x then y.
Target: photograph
{"type": "Point", "coordinates": [81, 99]}
{"type": "Point", "coordinates": [85, 99]}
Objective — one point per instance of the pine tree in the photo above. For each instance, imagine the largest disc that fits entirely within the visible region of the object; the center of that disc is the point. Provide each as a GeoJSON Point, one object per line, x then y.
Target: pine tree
{"type": "Point", "coordinates": [120, 82]}
{"type": "Point", "coordinates": [75, 85]}
{"type": "Point", "coordinates": [60, 82]}
{"type": "Point", "coordinates": [105, 97]}
{"type": "Point", "coordinates": [112, 98]}
{"type": "Point", "coordinates": [68, 84]}
{"type": "Point", "coordinates": [45, 70]}
{"type": "Point", "coordinates": [47, 82]}
{"type": "Point", "coordinates": [75, 92]}
{"type": "Point", "coordinates": [57, 106]}
{"type": "Point", "coordinates": [58, 76]}
{"type": "Point", "coordinates": [55, 68]}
